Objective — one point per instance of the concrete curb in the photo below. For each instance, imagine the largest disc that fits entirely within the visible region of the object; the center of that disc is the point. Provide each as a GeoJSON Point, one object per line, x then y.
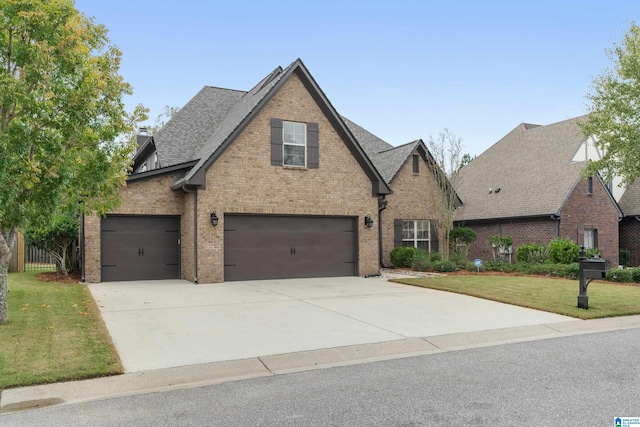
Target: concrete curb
{"type": "Point", "coordinates": [215, 373]}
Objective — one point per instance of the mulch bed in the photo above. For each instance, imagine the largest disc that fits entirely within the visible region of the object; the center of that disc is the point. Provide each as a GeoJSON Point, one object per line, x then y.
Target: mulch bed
{"type": "Point", "coordinates": [54, 276]}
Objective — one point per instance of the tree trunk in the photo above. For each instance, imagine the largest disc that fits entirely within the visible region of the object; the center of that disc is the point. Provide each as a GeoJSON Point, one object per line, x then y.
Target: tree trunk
{"type": "Point", "coordinates": [6, 243]}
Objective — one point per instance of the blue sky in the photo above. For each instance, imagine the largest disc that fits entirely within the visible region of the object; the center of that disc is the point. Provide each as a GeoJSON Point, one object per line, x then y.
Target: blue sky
{"type": "Point", "coordinates": [403, 70]}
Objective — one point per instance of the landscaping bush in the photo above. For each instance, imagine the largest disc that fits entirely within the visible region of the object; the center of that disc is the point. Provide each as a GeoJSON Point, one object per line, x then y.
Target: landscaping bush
{"type": "Point", "coordinates": [531, 253]}
{"type": "Point", "coordinates": [443, 266]}
{"type": "Point", "coordinates": [403, 256]}
{"type": "Point", "coordinates": [625, 257]}
{"type": "Point", "coordinates": [459, 259]}
{"type": "Point", "coordinates": [635, 274]}
{"type": "Point", "coordinates": [589, 253]}
{"type": "Point", "coordinates": [421, 261]}
{"type": "Point", "coordinates": [620, 275]}
{"type": "Point", "coordinates": [563, 251]}
{"type": "Point", "coordinates": [435, 256]}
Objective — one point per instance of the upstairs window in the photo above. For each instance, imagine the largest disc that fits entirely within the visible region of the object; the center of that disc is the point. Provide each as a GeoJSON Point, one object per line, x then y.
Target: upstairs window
{"type": "Point", "coordinates": [294, 143]}
{"type": "Point", "coordinates": [416, 163]}
{"type": "Point", "coordinates": [590, 185]}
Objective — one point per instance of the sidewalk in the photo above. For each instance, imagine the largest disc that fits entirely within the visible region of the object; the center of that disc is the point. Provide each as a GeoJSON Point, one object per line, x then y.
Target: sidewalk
{"type": "Point", "coordinates": [219, 372]}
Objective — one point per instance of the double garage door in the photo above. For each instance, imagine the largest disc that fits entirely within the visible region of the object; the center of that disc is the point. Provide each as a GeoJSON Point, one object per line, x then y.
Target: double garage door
{"type": "Point", "coordinates": [140, 248]}
{"type": "Point", "coordinates": [255, 247]}
{"type": "Point", "coordinates": [280, 247]}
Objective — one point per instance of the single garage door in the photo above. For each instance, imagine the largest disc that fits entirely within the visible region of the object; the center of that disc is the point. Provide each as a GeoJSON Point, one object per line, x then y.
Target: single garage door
{"type": "Point", "coordinates": [280, 247]}
{"type": "Point", "coordinates": [140, 248]}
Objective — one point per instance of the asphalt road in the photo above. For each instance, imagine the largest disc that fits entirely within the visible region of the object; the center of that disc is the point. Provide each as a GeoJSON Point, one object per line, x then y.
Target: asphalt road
{"type": "Point", "coordinates": [585, 380]}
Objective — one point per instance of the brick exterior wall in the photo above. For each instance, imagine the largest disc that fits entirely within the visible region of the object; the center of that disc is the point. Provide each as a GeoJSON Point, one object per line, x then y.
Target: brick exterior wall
{"type": "Point", "coordinates": [410, 200]}
{"type": "Point", "coordinates": [148, 197]}
{"type": "Point", "coordinates": [522, 231]}
{"type": "Point", "coordinates": [597, 210]}
{"type": "Point", "coordinates": [242, 180]}
{"type": "Point", "coordinates": [630, 239]}
{"type": "Point", "coordinates": [580, 211]}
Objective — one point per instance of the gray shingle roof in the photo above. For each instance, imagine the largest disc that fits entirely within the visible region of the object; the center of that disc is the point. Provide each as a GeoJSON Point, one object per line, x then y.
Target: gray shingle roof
{"type": "Point", "coordinates": [531, 166]}
{"type": "Point", "coordinates": [235, 116]}
{"type": "Point", "coordinates": [630, 200]}
{"type": "Point", "coordinates": [182, 138]}
{"type": "Point", "coordinates": [385, 157]}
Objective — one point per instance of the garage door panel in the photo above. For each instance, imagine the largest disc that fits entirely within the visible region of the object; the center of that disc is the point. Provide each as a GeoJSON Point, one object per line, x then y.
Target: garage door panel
{"type": "Point", "coordinates": [272, 247]}
{"type": "Point", "coordinates": [140, 248]}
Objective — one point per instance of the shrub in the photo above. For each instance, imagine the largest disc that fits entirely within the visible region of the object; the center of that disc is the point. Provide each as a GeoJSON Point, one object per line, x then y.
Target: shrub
{"type": "Point", "coordinates": [403, 256]}
{"type": "Point", "coordinates": [635, 274]}
{"type": "Point", "coordinates": [459, 259]}
{"type": "Point", "coordinates": [625, 257]}
{"type": "Point", "coordinates": [462, 237]}
{"type": "Point", "coordinates": [435, 256]}
{"type": "Point", "coordinates": [620, 275]}
{"type": "Point", "coordinates": [528, 253]}
{"type": "Point", "coordinates": [420, 261]}
{"type": "Point", "coordinates": [443, 266]}
{"type": "Point", "coordinates": [591, 252]}
{"type": "Point", "coordinates": [563, 251]}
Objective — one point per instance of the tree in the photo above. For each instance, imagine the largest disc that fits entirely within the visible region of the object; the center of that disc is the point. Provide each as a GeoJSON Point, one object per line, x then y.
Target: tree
{"type": "Point", "coordinates": [57, 237]}
{"type": "Point", "coordinates": [462, 237]}
{"type": "Point", "coordinates": [446, 151]}
{"type": "Point", "coordinates": [61, 113]}
{"type": "Point", "coordinates": [614, 113]}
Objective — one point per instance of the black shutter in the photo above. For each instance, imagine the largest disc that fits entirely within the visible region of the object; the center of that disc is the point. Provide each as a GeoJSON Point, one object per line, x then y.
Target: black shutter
{"type": "Point", "coordinates": [435, 244]}
{"type": "Point", "coordinates": [313, 146]}
{"type": "Point", "coordinates": [397, 233]}
{"type": "Point", "coordinates": [276, 142]}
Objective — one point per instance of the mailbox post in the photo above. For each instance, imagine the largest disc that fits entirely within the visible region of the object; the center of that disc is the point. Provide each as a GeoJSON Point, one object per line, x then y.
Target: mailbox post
{"type": "Point", "coordinates": [590, 268]}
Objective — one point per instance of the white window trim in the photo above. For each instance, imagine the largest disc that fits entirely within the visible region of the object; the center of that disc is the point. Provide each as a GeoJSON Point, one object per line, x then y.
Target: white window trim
{"type": "Point", "coordinates": [415, 239]}
{"type": "Point", "coordinates": [284, 144]}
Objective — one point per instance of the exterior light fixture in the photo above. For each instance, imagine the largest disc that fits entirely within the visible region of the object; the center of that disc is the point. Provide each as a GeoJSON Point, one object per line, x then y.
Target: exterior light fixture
{"type": "Point", "coordinates": [368, 222]}
{"type": "Point", "coordinates": [214, 219]}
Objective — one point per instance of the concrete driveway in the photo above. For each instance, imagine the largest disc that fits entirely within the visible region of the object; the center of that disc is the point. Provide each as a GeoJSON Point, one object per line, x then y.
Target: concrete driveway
{"type": "Point", "coordinates": [170, 323]}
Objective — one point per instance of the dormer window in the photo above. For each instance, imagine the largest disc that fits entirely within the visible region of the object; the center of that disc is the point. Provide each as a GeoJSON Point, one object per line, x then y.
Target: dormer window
{"type": "Point", "coordinates": [155, 160]}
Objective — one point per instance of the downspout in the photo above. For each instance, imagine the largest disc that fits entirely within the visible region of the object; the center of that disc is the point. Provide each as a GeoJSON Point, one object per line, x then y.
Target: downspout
{"type": "Point", "coordinates": [556, 218]}
{"type": "Point", "coordinates": [382, 205]}
{"type": "Point", "coordinates": [195, 232]}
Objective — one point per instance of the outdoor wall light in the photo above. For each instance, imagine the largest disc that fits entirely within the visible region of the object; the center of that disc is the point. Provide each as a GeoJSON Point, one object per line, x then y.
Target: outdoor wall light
{"type": "Point", "coordinates": [214, 219]}
{"type": "Point", "coordinates": [368, 222]}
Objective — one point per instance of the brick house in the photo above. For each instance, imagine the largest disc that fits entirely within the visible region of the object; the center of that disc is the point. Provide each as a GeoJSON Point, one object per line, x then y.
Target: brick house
{"type": "Point", "coordinates": [528, 186]}
{"type": "Point", "coordinates": [630, 224]}
{"type": "Point", "coordinates": [269, 183]}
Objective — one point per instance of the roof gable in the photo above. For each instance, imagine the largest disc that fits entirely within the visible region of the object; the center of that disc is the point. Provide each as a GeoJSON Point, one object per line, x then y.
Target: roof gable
{"type": "Point", "coordinates": [529, 172]}
{"type": "Point", "coordinates": [251, 103]}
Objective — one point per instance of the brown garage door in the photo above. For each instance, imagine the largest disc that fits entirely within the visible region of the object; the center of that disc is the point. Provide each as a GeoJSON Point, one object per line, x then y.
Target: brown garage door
{"type": "Point", "coordinates": [280, 247]}
{"type": "Point", "coordinates": [140, 248]}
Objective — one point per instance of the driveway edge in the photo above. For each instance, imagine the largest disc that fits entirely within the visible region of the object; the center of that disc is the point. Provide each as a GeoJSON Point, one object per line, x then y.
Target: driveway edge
{"type": "Point", "coordinates": [145, 382]}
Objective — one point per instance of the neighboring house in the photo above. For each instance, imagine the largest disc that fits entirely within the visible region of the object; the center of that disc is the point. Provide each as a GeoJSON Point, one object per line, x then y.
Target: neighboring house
{"type": "Point", "coordinates": [269, 183]}
{"type": "Point", "coordinates": [630, 224]}
{"type": "Point", "coordinates": [528, 186]}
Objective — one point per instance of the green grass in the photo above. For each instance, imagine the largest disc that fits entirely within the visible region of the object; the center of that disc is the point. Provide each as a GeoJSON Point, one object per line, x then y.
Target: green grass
{"type": "Point", "coordinates": [54, 332]}
{"type": "Point", "coordinates": [547, 294]}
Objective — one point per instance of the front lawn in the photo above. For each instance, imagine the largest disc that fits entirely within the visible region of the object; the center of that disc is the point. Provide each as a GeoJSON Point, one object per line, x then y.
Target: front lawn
{"type": "Point", "coordinates": [53, 333]}
{"type": "Point", "coordinates": [547, 294]}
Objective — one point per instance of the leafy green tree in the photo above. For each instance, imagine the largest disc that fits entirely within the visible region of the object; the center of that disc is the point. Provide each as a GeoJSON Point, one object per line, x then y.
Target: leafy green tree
{"type": "Point", "coordinates": [462, 237]}
{"type": "Point", "coordinates": [61, 114]}
{"type": "Point", "coordinates": [57, 237]}
{"type": "Point", "coordinates": [614, 113]}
